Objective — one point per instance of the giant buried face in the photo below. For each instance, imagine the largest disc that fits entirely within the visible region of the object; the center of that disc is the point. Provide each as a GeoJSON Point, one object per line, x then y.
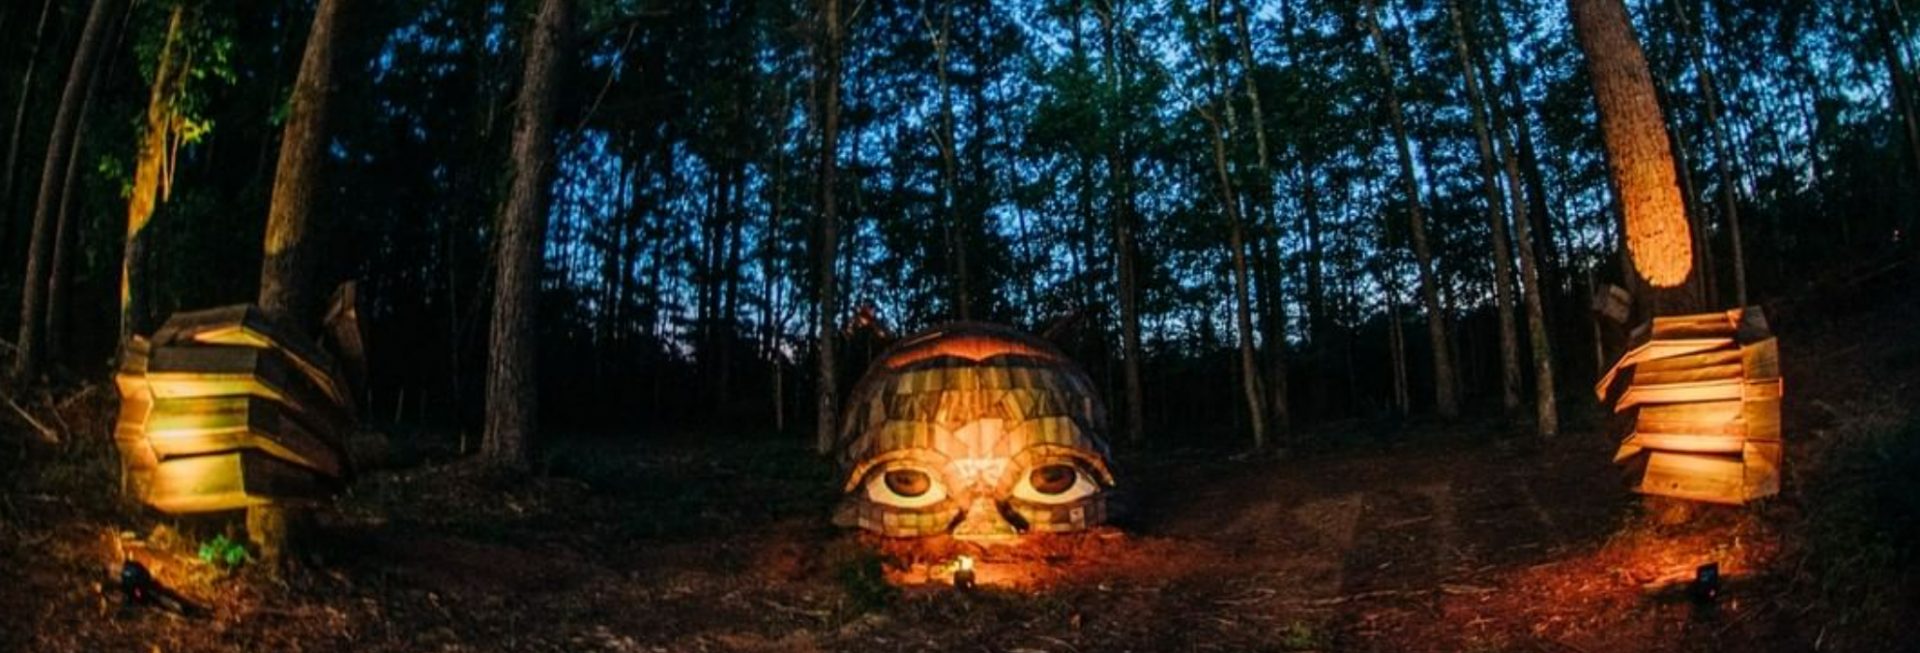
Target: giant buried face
{"type": "Point", "coordinates": [977, 431]}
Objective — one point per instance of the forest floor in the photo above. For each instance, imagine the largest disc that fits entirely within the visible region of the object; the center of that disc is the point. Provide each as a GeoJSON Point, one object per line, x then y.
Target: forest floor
{"type": "Point", "coordinates": [1372, 537]}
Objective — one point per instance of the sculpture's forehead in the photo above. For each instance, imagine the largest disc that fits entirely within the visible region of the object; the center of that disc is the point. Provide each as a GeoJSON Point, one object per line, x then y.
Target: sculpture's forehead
{"type": "Point", "coordinates": [991, 437]}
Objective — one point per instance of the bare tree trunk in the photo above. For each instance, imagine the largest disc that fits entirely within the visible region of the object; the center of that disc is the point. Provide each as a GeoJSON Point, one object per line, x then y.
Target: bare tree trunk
{"type": "Point", "coordinates": [1444, 379]}
{"type": "Point", "coordinates": [826, 396]}
{"type": "Point", "coordinates": [1124, 223]}
{"type": "Point", "coordinates": [1242, 311]}
{"type": "Point", "coordinates": [59, 144]}
{"type": "Point", "coordinates": [1490, 186]}
{"type": "Point", "coordinates": [1546, 409]}
{"type": "Point", "coordinates": [286, 283]}
{"type": "Point", "coordinates": [956, 232]}
{"type": "Point", "coordinates": [1277, 342]}
{"type": "Point", "coordinates": [11, 172]}
{"type": "Point", "coordinates": [1639, 159]}
{"type": "Point", "coordinates": [512, 378]}
{"type": "Point", "coordinates": [63, 234]}
{"type": "Point", "coordinates": [1729, 205]}
{"type": "Point", "coordinates": [148, 172]}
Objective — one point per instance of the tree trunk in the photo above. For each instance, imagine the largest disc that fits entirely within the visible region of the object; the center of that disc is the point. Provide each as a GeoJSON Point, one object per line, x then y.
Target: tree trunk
{"type": "Point", "coordinates": [59, 144]}
{"type": "Point", "coordinates": [949, 174]}
{"type": "Point", "coordinates": [1639, 160]}
{"type": "Point", "coordinates": [1546, 409]}
{"type": "Point", "coordinates": [59, 277]}
{"type": "Point", "coordinates": [826, 395]}
{"type": "Point", "coordinates": [1242, 311]}
{"type": "Point", "coordinates": [1124, 223]}
{"type": "Point", "coordinates": [1729, 205]}
{"type": "Point", "coordinates": [11, 172]}
{"type": "Point", "coordinates": [1443, 373]}
{"type": "Point", "coordinates": [512, 379]}
{"type": "Point", "coordinates": [286, 283]}
{"type": "Point", "coordinates": [148, 170]}
{"type": "Point", "coordinates": [1490, 186]}
{"type": "Point", "coordinates": [1277, 342]}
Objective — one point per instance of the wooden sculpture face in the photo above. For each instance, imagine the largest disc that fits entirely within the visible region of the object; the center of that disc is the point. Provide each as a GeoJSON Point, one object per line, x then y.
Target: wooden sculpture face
{"type": "Point", "coordinates": [974, 431]}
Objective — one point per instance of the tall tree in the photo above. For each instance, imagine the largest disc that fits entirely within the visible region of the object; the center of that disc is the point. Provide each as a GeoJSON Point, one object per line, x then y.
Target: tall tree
{"type": "Point", "coordinates": [826, 394]}
{"type": "Point", "coordinates": [286, 271]}
{"type": "Point", "coordinates": [1125, 217]}
{"type": "Point", "coordinates": [52, 182]}
{"type": "Point", "coordinates": [512, 380]}
{"type": "Point", "coordinates": [1444, 379]}
{"type": "Point", "coordinates": [1722, 150]}
{"type": "Point", "coordinates": [1262, 201]}
{"type": "Point", "coordinates": [1639, 158]}
{"type": "Point", "coordinates": [1490, 186]}
{"type": "Point", "coordinates": [8, 174]}
{"type": "Point", "coordinates": [149, 173]}
{"type": "Point", "coordinates": [1218, 130]}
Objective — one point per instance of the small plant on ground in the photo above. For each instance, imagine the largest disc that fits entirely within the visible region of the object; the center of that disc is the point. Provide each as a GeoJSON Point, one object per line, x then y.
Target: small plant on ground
{"type": "Point", "coordinates": [224, 552]}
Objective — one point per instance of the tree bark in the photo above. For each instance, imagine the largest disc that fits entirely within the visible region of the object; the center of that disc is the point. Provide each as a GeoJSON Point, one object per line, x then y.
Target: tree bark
{"type": "Point", "coordinates": [59, 275]}
{"type": "Point", "coordinates": [1490, 186]}
{"type": "Point", "coordinates": [512, 378]}
{"type": "Point", "coordinates": [827, 394]}
{"type": "Point", "coordinates": [1277, 341]}
{"type": "Point", "coordinates": [1546, 408]}
{"type": "Point", "coordinates": [1124, 223]}
{"type": "Point", "coordinates": [1444, 381]}
{"type": "Point", "coordinates": [1722, 152]}
{"type": "Point", "coordinates": [286, 271]}
{"type": "Point", "coordinates": [1242, 311]}
{"type": "Point", "coordinates": [1639, 160]}
{"type": "Point", "coordinates": [59, 145]}
{"type": "Point", "coordinates": [148, 171]}
{"type": "Point", "coordinates": [11, 172]}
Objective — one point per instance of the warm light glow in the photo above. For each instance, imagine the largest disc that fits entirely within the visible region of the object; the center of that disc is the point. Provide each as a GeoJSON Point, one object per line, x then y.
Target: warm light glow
{"type": "Point", "coordinates": [963, 563]}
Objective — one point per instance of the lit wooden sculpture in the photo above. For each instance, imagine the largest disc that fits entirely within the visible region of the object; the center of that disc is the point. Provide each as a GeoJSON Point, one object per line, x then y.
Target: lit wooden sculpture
{"type": "Point", "coordinates": [225, 409]}
{"type": "Point", "coordinates": [1708, 391]}
{"type": "Point", "coordinates": [977, 431]}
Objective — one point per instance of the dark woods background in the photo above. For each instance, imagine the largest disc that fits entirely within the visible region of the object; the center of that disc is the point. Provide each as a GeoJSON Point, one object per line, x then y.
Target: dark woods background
{"type": "Point", "coordinates": [987, 153]}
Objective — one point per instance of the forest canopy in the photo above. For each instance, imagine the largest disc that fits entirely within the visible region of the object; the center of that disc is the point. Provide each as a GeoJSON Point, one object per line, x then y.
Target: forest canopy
{"type": "Point", "coordinates": [1264, 196]}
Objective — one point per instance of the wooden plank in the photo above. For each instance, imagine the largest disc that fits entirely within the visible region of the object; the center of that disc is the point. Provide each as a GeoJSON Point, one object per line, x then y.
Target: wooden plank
{"type": "Point", "coordinates": [1699, 477]}
{"type": "Point", "coordinates": [211, 371]}
{"type": "Point", "coordinates": [1762, 460]}
{"type": "Point", "coordinates": [1708, 373]}
{"type": "Point", "coordinates": [204, 425]}
{"type": "Point", "coordinates": [1700, 391]}
{"type": "Point", "coordinates": [245, 325]}
{"type": "Point", "coordinates": [1656, 350]}
{"type": "Point", "coordinates": [1761, 359]}
{"type": "Point", "coordinates": [1700, 325]}
{"type": "Point", "coordinates": [1762, 419]}
{"type": "Point", "coordinates": [1728, 356]}
{"type": "Point", "coordinates": [228, 481]}
{"type": "Point", "coordinates": [1690, 442]}
{"type": "Point", "coordinates": [1690, 417]}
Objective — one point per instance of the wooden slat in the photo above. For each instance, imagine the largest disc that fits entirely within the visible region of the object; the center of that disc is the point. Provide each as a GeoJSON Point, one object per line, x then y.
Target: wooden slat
{"type": "Point", "coordinates": [1728, 356]}
{"type": "Point", "coordinates": [212, 371]}
{"type": "Point", "coordinates": [1690, 442]}
{"type": "Point", "coordinates": [1762, 419]}
{"type": "Point", "coordinates": [1690, 417]}
{"type": "Point", "coordinates": [228, 481]}
{"type": "Point", "coordinates": [1656, 350]}
{"type": "Point", "coordinates": [1707, 373]}
{"type": "Point", "coordinates": [1700, 477]}
{"type": "Point", "coordinates": [245, 325]}
{"type": "Point", "coordinates": [198, 426]}
{"type": "Point", "coordinates": [1761, 359]}
{"type": "Point", "coordinates": [1762, 460]}
{"type": "Point", "coordinates": [1702, 325]}
{"type": "Point", "coordinates": [1702, 391]}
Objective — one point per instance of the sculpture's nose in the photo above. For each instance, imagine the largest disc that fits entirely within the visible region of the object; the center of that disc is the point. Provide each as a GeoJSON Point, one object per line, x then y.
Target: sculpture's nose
{"type": "Point", "coordinates": [984, 523]}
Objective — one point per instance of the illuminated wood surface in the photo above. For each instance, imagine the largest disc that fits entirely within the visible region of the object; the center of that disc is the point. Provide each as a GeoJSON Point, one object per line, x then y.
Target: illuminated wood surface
{"type": "Point", "coordinates": [1707, 389]}
{"type": "Point", "coordinates": [226, 409]}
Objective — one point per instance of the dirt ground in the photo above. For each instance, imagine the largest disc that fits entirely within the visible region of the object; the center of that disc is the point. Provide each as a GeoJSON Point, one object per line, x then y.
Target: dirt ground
{"type": "Point", "coordinates": [1375, 538]}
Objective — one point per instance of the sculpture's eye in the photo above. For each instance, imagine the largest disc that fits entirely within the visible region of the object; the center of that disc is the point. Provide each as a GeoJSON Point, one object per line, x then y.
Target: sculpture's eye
{"type": "Point", "coordinates": [905, 487]}
{"type": "Point", "coordinates": [909, 482]}
{"type": "Point", "coordinates": [1054, 483]}
{"type": "Point", "coordinates": [1052, 479]}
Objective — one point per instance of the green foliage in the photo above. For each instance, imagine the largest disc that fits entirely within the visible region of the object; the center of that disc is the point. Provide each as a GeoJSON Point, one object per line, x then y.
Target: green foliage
{"type": "Point", "coordinates": [1302, 636]}
{"type": "Point", "coordinates": [224, 552]}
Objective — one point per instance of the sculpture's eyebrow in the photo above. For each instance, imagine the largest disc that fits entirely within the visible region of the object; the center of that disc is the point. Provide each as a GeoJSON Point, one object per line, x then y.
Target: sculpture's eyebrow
{"type": "Point", "coordinates": [922, 455]}
{"type": "Point", "coordinates": [1034, 455]}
